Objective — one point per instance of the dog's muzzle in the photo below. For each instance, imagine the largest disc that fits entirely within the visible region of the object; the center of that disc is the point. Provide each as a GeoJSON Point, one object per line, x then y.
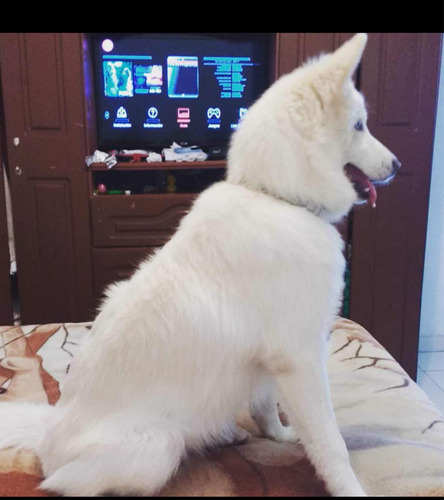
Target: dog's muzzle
{"type": "Point", "coordinates": [364, 186]}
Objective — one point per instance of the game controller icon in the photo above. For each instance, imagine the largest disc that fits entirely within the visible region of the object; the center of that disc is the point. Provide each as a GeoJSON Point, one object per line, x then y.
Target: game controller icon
{"type": "Point", "coordinates": [213, 112]}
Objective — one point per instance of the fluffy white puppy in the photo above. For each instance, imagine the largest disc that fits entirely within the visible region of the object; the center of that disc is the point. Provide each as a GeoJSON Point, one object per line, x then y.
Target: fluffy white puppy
{"type": "Point", "coordinates": [232, 311]}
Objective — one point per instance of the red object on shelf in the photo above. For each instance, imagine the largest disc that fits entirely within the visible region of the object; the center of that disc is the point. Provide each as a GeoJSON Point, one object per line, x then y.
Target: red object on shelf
{"type": "Point", "coordinates": [132, 158]}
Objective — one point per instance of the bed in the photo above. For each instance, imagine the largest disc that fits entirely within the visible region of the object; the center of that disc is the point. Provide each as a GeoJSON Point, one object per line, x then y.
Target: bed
{"type": "Point", "coordinates": [394, 432]}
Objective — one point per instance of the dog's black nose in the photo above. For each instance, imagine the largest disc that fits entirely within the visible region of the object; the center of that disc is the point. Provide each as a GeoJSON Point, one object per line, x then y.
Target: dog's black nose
{"type": "Point", "coordinates": [396, 165]}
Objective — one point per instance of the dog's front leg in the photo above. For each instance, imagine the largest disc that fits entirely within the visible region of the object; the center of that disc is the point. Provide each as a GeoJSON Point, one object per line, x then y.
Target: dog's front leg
{"type": "Point", "coordinates": [265, 413]}
{"type": "Point", "coordinates": [305, 387]}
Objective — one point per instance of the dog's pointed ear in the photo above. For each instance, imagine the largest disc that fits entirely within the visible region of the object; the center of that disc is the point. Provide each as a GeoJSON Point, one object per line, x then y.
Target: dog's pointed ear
{"type": "Point", "coordinates": [348, 56]}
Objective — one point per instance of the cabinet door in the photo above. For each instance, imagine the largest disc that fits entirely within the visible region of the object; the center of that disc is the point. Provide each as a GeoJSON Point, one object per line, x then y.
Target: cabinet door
{"type": "Point", "coordinates": [399, 78]}
{"type": "Point", "coordinates": [43, 101]}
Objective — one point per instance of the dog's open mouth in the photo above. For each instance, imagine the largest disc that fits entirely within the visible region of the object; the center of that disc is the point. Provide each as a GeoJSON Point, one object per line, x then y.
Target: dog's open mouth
{"type": "Point", "coordinates": [362, 184]}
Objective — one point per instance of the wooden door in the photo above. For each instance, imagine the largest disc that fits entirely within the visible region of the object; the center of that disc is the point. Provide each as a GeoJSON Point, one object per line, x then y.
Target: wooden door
{"type": "Point", "coordinates": [399, 78]}
{"type": "Point", "coordinates": [44, 108]}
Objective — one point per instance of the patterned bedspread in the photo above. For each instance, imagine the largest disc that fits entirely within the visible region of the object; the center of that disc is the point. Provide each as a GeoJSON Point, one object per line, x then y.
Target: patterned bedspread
{"type": "Point", "coordinates": [393, 431]}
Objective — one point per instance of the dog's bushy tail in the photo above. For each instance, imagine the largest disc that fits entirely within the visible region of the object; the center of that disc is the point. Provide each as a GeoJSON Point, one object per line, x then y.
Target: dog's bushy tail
{"type": "Point", "coordinates": [139, 465]}
{"type": "Point", "coordinates": [22, 425]}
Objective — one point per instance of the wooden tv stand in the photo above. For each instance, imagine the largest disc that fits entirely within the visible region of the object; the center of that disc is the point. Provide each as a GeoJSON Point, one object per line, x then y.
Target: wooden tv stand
{"type": "Point", "coordinates": [129, 227]}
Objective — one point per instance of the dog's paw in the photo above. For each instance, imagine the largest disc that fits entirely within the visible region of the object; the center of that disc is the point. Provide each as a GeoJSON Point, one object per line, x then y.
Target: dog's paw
{"type": "Point", "coordinates": [289, 435]}
{"type": "Point", "coordinates": [284, 434]}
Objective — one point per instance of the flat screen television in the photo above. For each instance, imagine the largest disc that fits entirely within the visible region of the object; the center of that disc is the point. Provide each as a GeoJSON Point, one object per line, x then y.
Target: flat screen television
{"type": "Point", "coordinates": [193, 89]}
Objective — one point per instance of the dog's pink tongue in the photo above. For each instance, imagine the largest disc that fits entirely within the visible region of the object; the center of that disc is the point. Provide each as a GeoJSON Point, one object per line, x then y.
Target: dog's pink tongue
{"type": "Point", "coordinates": [357, 175]}
{"type": "Point", "coordinates": [372, 191]}
{"type": "Point", "coordinates": [373, 195]}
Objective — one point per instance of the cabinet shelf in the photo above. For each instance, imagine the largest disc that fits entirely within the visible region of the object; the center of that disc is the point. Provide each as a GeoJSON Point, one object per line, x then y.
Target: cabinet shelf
{"type": "Point", "coordinates": [164, 165]}
{"type": "Point", "coordinates": [156, 178]}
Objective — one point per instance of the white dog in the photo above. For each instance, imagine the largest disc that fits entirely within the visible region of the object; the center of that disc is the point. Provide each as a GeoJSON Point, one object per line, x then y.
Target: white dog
{"type": "Point", "coordinates": [234, 310]}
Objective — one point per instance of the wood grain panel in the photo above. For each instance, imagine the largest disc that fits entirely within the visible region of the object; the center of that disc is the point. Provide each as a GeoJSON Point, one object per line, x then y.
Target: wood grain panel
{"type": "Point", "coordinates": [287, 51]}
{"type": "Point", "coordinates": [115, 264]}
{"type": "Point", "coordinates": [399, 81]}
{"type": "Point", "coordinates": [391, 271]}
{"type": "Point", "coordinates": [295, 48]}
{"type": "Point", "coordinates": [52, 208]}
{"type": "Point", "coordinates": [44, 86]}
{"type": "Point", "coordinates": [313, 44]}
{"type": "Point", "coordinates": [121, 221]}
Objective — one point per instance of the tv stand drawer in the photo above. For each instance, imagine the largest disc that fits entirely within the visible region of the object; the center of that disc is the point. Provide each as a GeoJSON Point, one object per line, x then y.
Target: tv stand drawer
{"type": "Point", "coordinates": [137, 220]}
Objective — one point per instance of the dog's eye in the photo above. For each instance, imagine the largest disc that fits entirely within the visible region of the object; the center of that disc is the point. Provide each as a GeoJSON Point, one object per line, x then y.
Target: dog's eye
{"type": "Point", "coordinates": [359, 126]}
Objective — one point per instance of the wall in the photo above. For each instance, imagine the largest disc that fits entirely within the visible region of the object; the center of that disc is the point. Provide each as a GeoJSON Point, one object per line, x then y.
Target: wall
{"type": "Point", "coordinates": [432, 308]}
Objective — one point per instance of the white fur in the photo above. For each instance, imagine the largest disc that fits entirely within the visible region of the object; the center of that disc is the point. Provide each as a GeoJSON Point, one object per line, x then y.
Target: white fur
{"type": "Point", "coordinates": [232, 311]}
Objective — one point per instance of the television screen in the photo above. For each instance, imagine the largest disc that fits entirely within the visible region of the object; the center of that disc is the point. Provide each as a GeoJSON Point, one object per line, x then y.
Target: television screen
{"type": "Point", "coordinates": [153, 89]}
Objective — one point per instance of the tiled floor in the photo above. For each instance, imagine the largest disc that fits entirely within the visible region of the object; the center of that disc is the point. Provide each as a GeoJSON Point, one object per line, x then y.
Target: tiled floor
{"type": "Point", "coordinates": [431, 368]}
